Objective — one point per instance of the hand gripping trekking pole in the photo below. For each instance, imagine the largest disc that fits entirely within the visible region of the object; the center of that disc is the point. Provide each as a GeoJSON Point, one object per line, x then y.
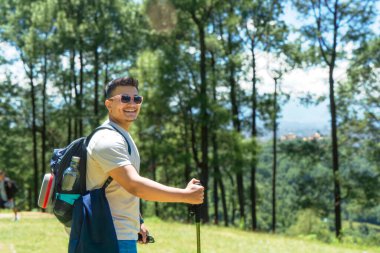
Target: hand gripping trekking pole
{"type": "Point", "coordinates": [196, 210]}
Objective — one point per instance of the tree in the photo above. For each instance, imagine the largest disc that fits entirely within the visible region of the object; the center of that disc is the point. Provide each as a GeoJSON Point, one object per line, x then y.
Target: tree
{"type": "Point", "coordinates": [14, 109]}
{"type": "Point", "coordinates": [335, 25]}
{"type": "Point", "coordinates": [261, 35]}
{"type": "Point", "coordinates": [359, 130]}
{"type": "Point", "coordinates": [20, 33]}
{"type": "Point", "coordinates": [199, 12]}
{"type": "Point", "coordinates": [47, 47]}
{"type": "Point", "coordinates": [228, 25]}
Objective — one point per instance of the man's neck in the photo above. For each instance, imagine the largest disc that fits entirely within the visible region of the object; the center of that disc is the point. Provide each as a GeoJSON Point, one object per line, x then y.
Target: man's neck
{"type": "Point", "coordinates": [125, 125]}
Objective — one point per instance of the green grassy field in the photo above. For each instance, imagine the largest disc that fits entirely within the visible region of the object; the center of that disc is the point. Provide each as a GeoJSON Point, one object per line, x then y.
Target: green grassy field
{"type": "Point", "coordinates": [41, 233]}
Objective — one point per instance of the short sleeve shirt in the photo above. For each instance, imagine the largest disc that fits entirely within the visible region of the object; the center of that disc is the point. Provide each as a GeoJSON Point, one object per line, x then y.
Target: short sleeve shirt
{"type": "Point", "coordinates": [108, 150]}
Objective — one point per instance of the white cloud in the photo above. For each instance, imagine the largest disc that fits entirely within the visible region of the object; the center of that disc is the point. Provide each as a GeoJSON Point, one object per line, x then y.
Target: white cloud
{"type": "Point", "coordinates": [298, 82]}
{"type": "Point", "coordinates": [301, 81]}
{"type": "Point", "coordinates": [16, 68]}
{"type": "Point", "coordinates": [8, 51]}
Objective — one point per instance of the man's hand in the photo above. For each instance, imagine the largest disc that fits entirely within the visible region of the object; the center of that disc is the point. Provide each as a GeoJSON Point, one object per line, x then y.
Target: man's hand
{"type": "Point", "coordinates": [195, 191]}
{"type": "Point", "coordinates": [144, 233]}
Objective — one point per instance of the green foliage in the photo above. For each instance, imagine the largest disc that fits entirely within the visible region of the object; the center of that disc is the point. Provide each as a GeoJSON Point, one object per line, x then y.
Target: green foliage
{"type": "Point", "coordinates": [362, 234]}
{"type": "Point", "coordinates": [310, 224]}
{"type": "Point", "coordinates": [73, 48]}
{"type": "Point", "coordinates": [16, 146]}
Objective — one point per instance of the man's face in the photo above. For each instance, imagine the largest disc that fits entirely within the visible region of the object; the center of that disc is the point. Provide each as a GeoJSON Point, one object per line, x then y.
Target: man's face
{"type": "Point", "coordinates": [121, 111]}
{"type": "Point", "coordinates": [2, 176]}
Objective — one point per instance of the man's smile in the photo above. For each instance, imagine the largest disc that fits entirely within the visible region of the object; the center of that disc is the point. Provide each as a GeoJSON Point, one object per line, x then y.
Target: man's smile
{"type": "Point", "coordinates": [130, 110]}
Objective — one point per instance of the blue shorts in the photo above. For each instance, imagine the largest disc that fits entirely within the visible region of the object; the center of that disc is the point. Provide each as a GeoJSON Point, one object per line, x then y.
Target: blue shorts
{"type": "Point", "coordinates": [127, 246]}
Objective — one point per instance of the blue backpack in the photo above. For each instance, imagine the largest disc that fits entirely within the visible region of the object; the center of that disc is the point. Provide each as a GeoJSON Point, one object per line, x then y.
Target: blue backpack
{"type": "Point", "coordinates": [62, 202]}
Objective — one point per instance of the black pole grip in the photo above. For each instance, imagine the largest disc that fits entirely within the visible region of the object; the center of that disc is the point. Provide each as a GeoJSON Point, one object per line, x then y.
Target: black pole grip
{"type": "Point", "coordinates": [196, 210]}
{"type": "Point", "coordinates": [149, 239]}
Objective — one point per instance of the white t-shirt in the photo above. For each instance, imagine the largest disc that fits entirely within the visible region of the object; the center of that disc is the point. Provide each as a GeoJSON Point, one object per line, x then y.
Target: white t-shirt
{"type": "Point", "coordinates": [106, 151]}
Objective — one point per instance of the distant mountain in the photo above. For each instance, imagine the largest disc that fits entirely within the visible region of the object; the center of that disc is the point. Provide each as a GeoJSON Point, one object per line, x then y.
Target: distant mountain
{"type": "Point", "coordinates": [300, 129]}
{"type": "Point", "coordinates": [303, 128]}
{"type": "Point", "coordinates": [302, 121]}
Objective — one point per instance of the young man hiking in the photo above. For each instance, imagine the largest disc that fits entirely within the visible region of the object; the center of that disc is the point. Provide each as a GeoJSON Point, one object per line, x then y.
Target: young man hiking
{"type": "Point", "coordinates": [107, 155]}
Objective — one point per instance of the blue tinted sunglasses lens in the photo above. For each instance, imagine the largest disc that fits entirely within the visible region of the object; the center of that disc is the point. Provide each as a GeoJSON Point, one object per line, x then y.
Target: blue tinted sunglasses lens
{"type": "Point", "coordinates": [127, 99]}
{"type": "Point", "coordinates": [138, 99]}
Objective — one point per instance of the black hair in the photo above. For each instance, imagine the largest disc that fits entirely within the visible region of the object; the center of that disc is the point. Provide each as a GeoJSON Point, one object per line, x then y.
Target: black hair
{"type": "Point", "coordinates": [122, 81]}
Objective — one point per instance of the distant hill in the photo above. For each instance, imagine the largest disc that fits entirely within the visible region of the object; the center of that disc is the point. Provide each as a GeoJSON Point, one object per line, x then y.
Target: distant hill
{"type": "Point", "coordinates": [301, 120]}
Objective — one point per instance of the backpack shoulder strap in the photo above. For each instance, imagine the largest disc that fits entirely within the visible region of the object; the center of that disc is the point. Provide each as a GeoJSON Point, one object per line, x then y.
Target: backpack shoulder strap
{"type": "Point", "coordinates": [109, 127]}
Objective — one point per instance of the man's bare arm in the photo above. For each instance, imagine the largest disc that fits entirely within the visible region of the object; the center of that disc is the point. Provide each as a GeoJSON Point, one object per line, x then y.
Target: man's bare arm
{"type": "Point", "coordinates": [147, 189]}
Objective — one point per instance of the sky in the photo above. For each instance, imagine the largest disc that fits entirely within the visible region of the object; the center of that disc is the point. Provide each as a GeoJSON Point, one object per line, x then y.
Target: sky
{"type": "Point", "coordinates": [297, 118]}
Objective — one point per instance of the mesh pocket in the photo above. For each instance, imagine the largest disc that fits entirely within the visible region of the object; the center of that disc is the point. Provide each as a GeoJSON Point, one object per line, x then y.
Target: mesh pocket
{"type": "Point", "coordinates": [63, 211]}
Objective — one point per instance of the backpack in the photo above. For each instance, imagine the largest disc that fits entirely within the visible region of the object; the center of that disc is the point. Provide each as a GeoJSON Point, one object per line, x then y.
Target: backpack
{"type": "Point", "coordinates": [51, 189]}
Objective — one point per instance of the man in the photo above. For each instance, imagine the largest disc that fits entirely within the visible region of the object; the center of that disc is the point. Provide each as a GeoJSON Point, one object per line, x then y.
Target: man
{"type": "Point", "coordinates": [107, 155]}
{"type": "Point", "coordinates": [8, 191]}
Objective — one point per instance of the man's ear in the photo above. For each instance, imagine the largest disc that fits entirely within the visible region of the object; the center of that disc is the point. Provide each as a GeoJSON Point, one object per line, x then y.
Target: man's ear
{"type": "Point", "coordinates": [108, 104]}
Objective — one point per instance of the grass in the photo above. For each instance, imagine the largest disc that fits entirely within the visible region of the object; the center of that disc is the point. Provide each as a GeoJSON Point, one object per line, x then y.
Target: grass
{"type": "Point", "coordinates": [41, 233]}
{"type": "Point", "coordinates": [34, 232]}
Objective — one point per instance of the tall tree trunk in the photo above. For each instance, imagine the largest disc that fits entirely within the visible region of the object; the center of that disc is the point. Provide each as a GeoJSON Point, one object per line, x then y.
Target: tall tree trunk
{"type": "Point", "coordinates": [214, 138]}
{"type": "Point", "coordinates": [274, 165]}
{"type": "Point", "coordinates": [335, 155]}
{"type": "Point", "coordinates": [204, 124]}
{"type": "Point", "coordinates": [216, 198]}
{"type": "Point", "coordinates": [224, 201]}
{"type": "Point", "coordinates": [187, 170]}
{"type": "Point", "coordinates": [329, 55]}
{"type": "Point", "coordinates": [68, 114]}
{"type": "Point", "coordinates": [96, 74]}
{"type": "Point", "coordinates": [43, 132]}
{"type": "Point", "coordinates": [80, 97]}
{"type": "Point", "coordinates": [254, 135]}
{"type": "Point", "coordinates": [204, 116]}
{"type": "Point", "coordinates": [232, 198]}
{"type": "Point", "coordinates": [34, 133]}
{"type": "Point", "coordinates": [106, 66]}
{"type": "Point", "coordinates": [240, 187]}
{"type": "Point", "coordinates": [234, 103]}
{"type": "Point", "coordinates": [237, 127]}
{"type": "Point", "coordinates": [73, 81]}
{"type": "Point", "coordinates": [96, 90]}
{"type": "Point", "coordinates": [188, 133]}
{"type": "Point", "coordinates": [335, 151]}
{"type": "Point", "coordinates": [30, 199]}
{"type": "Point", "coordinates": [69, 129]}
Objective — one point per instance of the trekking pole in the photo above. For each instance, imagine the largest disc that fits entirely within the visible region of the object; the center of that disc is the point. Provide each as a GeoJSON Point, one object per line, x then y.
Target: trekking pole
{"type": "Point", "coordinates": [198, 227]}
{"type": "Point", "coordinates": [196, 210]}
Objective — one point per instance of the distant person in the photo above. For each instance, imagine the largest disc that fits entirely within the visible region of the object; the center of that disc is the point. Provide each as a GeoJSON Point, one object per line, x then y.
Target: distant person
{"type": "Point", "coordinates": [107, 155]}
{"type": "Point", "coordinates": [8, 191]}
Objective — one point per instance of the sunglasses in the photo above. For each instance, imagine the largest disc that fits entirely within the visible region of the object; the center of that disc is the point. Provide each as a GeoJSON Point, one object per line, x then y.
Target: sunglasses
{"type": "Point", "coordinates": [124, 98]}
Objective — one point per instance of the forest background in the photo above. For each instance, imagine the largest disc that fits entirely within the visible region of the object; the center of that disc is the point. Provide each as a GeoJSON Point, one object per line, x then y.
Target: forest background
{"type": "Point", "coordinates": [216, 77]}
